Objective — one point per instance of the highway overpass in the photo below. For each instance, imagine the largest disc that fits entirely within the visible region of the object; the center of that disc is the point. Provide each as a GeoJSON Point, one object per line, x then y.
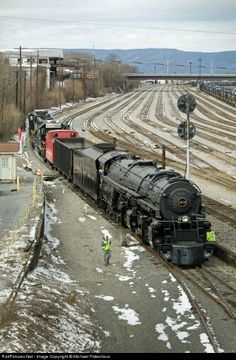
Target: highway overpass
{"type": "Point", "coordinates": [212, 77]}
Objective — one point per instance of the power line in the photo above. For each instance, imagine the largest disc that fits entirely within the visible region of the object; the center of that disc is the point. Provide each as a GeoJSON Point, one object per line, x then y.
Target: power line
{"type": "Point", "coordinates": [83, 23]}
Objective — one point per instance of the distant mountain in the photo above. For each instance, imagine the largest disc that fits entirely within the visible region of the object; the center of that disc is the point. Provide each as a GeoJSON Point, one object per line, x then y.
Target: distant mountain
{"type": "Point", "coordinates": [168, 60]}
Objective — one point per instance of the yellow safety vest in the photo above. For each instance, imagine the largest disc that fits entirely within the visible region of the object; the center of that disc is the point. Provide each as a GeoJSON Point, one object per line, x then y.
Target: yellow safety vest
{"type": "Point", "coordinates": [211, 236]}
{"type": "Point", "coordinates": [106, 244]}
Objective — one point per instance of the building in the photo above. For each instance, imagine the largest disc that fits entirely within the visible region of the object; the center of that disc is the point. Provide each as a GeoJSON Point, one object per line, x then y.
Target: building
{"type": "Point", "coordinates": [8, 152]}
{"type": "Point", "coordinates": [29, 58]}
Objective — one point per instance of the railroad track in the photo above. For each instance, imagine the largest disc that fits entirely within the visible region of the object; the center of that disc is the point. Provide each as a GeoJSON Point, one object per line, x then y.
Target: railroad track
{"type": "Point", "coordinates": [219, 105]}
{"type": "Point", "coordinates": [220, 211]}
{"type": "Point", "coordinates": [221, 293]}
{"type": "Point", "coordinates": [215, 175]}
{"type": "Point", "coordinates": [214, 127]}
{"type": "Point", "coordinates": [126, 140]}
{"type": "Point", "coordinates": [184, 279]}
{"type": "Point", "coordinates": [212, 286]}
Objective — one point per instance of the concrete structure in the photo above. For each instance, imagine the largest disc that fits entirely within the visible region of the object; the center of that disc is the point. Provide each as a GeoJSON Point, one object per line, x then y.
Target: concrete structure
{"type": "Point", "coordinates": [8, 161]}
{"type": "Point", "coordinates": [46, 58]}
{"type": "Point", "coordinates": [185, 77]}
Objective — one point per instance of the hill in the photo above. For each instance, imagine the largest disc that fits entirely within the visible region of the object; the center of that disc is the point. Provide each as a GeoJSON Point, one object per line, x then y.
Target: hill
{"type": "Point", "coordinates": [168, 60]}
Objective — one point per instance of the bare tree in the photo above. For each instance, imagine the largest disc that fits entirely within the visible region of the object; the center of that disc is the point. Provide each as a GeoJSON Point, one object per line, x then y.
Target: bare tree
{"type": "Point", "coordinates": [9, 115]}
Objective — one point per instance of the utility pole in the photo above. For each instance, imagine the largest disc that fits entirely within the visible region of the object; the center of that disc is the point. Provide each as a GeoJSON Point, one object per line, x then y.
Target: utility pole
{"type": "Point", "coordinates": [37, 81]}
{"type": "Point", "coordinates": [19, 81]}
{"type": "Point", "coordinates": [163, 156]}
{"type": "Point", "coordinates": [188, 143]}
{"type": "Point", "coordinates": [17, 88]}
{"type": "Point", "coordinates": [190, 67]}
{"type": "Point", "coordinates": [31, 84]}
{"type": "Point", "coordinates": [94, 66]}
{"type": "Point", "coordinates": [24, 95]}
{"type": "Point", "coordinates": [59, 80]}
{"type": "Point", "coordinates": [73, 87]}
{"type": "Point", "coordinates": [84, 81]}
{"type": "Point", "coordinates": [200, 67]}
{"type": "Point", "coordinates": [186, 103]}
{"type": "Point", "coordinates": [211, 67]}
{"type": "Point", "coordinates": [167, 66]}
{"type": "Point", "coordinates": [100, 76]}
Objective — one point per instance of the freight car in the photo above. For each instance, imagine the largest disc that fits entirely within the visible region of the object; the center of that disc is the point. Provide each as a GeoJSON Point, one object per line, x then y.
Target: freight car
{"type": "Point", "coordinates": [63, 154]}
{"type": "Point", "coordinates": [50, 141]}
{"type": "Point", "coordinates": [220, 92]}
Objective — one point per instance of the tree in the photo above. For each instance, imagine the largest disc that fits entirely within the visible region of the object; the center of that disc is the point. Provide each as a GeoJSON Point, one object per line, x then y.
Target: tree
{"type": "Point", "coordinates": [9, 114]}
{"type": "Point", "coordinates": [113, 70]}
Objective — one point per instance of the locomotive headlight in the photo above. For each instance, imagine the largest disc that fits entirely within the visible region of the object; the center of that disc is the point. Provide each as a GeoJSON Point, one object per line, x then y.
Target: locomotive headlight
{"type": "Point", "coordinates": [185, 218]}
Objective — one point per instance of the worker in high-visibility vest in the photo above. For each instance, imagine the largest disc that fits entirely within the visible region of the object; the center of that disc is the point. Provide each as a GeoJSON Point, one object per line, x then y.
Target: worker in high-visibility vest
{"type": "Point", "coordinates": [211, 239]}
{"type": "Point", "coordinates": [210, 236]}
{"type": "Point", "coordinates": [106, 247]}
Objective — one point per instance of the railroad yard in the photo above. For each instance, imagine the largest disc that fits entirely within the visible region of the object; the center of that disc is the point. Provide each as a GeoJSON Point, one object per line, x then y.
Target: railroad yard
{"type": "Point", "coordinates": [139, 303]}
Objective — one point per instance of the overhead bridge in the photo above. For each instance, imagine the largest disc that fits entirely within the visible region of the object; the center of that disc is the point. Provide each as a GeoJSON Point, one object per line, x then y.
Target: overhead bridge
{"type": "Point", "coordinates": [143, 76]}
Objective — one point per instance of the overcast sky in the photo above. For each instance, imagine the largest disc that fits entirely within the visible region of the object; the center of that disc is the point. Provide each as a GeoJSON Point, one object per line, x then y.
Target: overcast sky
{"type": "Point", "coordinates": [191, 25]}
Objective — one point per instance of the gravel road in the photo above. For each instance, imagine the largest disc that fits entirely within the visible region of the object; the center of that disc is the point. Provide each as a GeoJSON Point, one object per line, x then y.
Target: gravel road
{"type": "Point", "coordinates": [137, 304]}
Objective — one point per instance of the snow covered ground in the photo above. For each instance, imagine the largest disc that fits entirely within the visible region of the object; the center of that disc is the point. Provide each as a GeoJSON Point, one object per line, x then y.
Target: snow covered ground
{"type": "Point", "coordinates": [51, 312]}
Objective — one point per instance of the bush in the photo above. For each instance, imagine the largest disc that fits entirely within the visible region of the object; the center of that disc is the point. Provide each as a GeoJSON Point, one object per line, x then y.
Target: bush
{"type": "Point", "coordinates": [10, 121]}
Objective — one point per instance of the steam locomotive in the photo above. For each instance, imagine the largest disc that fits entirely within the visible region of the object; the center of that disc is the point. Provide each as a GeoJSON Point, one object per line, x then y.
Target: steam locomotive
{"type": "Point", "coordinates": [160, 205]}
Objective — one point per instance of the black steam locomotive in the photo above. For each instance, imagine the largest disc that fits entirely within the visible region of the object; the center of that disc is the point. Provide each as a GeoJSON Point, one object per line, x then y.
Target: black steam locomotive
{"type": "Point", "coordinates": [160, 205]}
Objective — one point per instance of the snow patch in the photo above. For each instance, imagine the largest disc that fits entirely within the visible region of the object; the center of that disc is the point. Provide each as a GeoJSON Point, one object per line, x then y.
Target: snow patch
{"type": "Point", "coordinates": [128, 315]}
{"type": "Point", "coordinates": [92, 217]}
{"type": "Point", "coordinates": [123, 278]}
{"type": "Point", "coordinates": [106, 298]}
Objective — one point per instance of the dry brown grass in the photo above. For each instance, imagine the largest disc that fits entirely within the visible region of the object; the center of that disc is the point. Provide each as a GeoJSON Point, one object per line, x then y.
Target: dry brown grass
{"type": "Point", "coordinates": [7, 313]}
{"type": "Point", "coordinates": [10, 121]}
